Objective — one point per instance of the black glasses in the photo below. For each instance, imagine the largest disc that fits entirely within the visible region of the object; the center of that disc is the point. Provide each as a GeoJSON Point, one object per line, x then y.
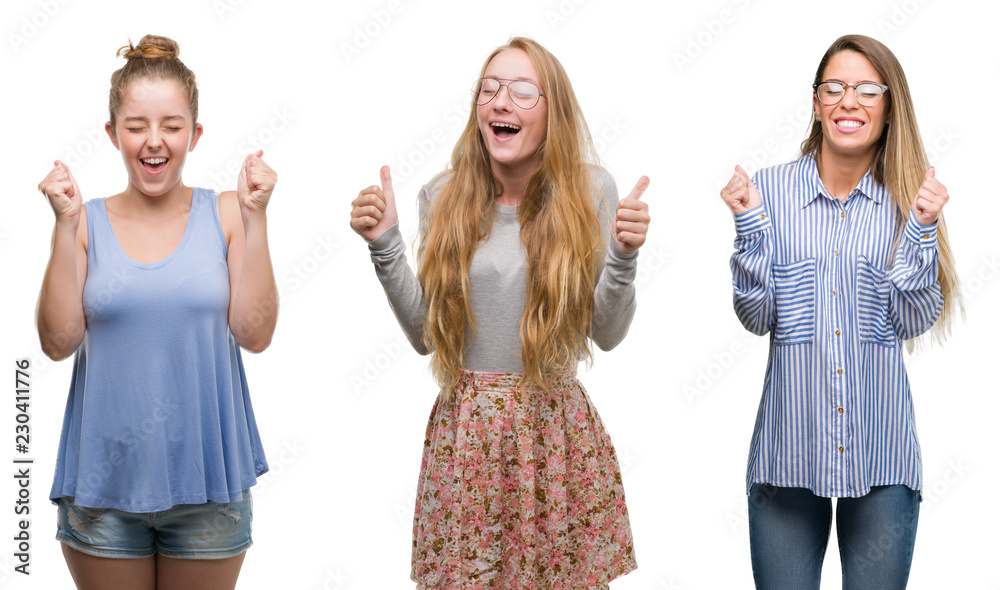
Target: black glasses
{"type": "Point", "coordinates": [832, 92]}
{"type": "Point", "coordinates": [522, 93]}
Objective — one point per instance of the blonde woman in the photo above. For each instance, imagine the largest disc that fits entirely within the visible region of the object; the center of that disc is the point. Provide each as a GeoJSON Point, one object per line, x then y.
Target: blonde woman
{"type": "Point", "coordinates": [842, 256]}
{"type": "Point", "coordinates": [526, 254]}
{"type": "Point", "coordinates": [155, 290]}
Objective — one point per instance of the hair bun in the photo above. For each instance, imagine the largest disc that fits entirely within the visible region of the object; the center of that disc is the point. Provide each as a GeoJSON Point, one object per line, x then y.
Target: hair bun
{"type": "Point", "coordinates": [151, 47]}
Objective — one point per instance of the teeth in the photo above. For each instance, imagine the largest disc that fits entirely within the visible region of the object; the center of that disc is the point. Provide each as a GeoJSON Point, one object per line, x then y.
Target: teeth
{"type": "Point", "coordinates": [507, 125]}
{"type": "Point", "coordinates": [154, 160]}
{"type": "Point", "coordinates": [852, 124]}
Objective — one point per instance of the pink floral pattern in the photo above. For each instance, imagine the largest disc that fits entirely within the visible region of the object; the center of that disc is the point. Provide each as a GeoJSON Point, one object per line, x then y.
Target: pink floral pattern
{"type": "Point", "coordinates": [519, 490]}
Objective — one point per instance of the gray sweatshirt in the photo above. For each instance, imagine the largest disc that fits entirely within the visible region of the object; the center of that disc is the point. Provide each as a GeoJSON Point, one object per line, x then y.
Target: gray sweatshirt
{"type": "Point", "coordinates": [498, 280]}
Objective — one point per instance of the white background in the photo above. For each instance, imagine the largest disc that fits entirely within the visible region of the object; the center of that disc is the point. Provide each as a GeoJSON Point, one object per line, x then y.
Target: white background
{"type": "Point", "coordinates": [678, 92]}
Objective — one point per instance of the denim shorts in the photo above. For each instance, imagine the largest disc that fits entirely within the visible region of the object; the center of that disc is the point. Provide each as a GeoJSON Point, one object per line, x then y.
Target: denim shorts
{"type": "Point", "coordinates": [186, 531]}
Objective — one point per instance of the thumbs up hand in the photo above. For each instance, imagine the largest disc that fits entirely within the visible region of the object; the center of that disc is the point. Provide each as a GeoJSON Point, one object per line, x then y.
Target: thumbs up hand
{"type": "Point", "coordinates": [632, 219]}
{"type": "Point", "coordinates": [63, 193]}
{"type": "Point", "coordinates": [740, 195]}
{"type": "Point", "coordinates": [930, 199]}
{"type": "Point", "coordinates": [374, 210]}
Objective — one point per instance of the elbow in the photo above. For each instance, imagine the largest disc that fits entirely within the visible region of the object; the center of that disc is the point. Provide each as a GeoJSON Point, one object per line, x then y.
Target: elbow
{"type": "Point", "coordinates": [56, 353]}
{"type": "Point", "coordinates": [607, 342]}
{"type": "Point", "coordinates": [256, 344]}
{"type": "Point", "coordinates": [418, 344]}
{"type": "Point", "coordinates": [60, 344]}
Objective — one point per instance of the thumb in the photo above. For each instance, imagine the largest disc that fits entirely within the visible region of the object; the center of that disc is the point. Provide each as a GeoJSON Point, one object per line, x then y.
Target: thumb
{"type": "Point", "coordinates": [640, 187]}
{"type": "Point", "coordinates": [929, 174]}
{"type": "Point", "coordinates": [390, 196]}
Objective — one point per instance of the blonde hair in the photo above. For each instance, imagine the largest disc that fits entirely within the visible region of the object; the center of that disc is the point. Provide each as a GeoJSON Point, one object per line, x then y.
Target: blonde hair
{"type": "Point", "coordinates": [560, 233]}
{"type": "Point", "coordinates": [155, 57]}
{"type": "Point", "coordinates": [899, 163]}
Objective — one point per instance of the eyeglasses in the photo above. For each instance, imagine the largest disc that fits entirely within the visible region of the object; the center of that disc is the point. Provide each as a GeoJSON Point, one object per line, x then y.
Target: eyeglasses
{"type": "Point", "coordinates": [832, 92]}
{"type": "Point", "coordinates": [522, 93]}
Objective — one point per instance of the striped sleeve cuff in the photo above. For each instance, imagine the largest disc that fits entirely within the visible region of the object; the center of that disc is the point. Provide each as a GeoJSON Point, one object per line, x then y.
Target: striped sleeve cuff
{"type": "Point", "coordinates": [751, 221]}
{"type": "Point", "coordinates": [924, 236]}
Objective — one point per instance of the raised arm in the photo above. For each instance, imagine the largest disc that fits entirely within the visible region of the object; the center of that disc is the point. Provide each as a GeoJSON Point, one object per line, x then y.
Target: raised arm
{"type": "Point", "coordinates": [753, 296]}
{"type": "Point", "coordinates": [915, 299]}
{"type": "Point", "coordinates": [614, 295]}
{"type": "Point", "coordinates": [373, 217]}
{"type": "Point", "coordinates": [59, 316]}
{"type": "Point", "coordinates": [253, 304]}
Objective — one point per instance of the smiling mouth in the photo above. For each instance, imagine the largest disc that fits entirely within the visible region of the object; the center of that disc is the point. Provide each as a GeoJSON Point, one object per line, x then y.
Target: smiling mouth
{"type": "Point", "coordinates": [849, 124]}
{"type": "Point", "coordinates": [504, 130]}
{"type": "Point", "coordinates": [154, 165]}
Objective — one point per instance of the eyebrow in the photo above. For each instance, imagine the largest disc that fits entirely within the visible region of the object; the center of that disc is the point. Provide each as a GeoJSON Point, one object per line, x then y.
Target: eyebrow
{"type": "Point", "coordinates": [143, 119]}
{"type": "Point", "coordinates": [522, 79]}
{"type": "Point", "coordinates": [858, 82]}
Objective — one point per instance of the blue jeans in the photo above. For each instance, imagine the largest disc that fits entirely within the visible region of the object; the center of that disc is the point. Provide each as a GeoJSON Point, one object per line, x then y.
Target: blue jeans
{"type": "Point", "coordinates": [186, 531]}
{"type": "Point", "coordinates": [790, 527]}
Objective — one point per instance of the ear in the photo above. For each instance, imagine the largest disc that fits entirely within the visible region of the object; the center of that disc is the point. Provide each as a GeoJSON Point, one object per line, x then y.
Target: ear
{"type": "Point", "coordinates": [198, 130]}
{"type": "Point", "coordinates": [816, 108]}
{"type": "Point", "coordinates": [111, 133]}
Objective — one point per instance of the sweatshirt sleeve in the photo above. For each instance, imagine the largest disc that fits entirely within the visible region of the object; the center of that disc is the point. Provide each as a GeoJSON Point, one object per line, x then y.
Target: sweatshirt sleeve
{"type": "Point", "coordinates": [402, 289]}
{"type": "Point", "coordinates": [614, 295]}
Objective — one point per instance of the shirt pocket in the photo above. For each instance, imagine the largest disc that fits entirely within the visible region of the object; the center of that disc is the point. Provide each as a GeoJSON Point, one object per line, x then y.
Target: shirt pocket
{"type": "Point", "coordinates": [874, 325]}
{"type": "Point", "coordinates": [794, 301]}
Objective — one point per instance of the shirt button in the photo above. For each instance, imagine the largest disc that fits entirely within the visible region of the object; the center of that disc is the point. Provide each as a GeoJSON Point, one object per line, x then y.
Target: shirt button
{"type": "Point", "coordinates": [835, 292]}
{"type": "Point", "coordinates": [926, 236]}
{"type": "Point", "coordinates": [837, 332]}
{"type": "Point", "coordinates": [836, 252]}
{"type": "Point", "coordinates": [841, 449]}
{"type": "Point", "coordinates": [840, 410]}
{"type": "Point", "coordinates": [842, 214]}
{"type": "Point", "coordinates": [762, 216]}
{"type": "Point", "coordinates": [840, 371]}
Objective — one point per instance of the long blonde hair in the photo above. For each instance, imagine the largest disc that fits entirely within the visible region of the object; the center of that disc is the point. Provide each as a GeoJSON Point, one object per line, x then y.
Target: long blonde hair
{"type": "Point", "coordinates": [560, 234]}
{"type": "Point", "coordinates": [899, 163]}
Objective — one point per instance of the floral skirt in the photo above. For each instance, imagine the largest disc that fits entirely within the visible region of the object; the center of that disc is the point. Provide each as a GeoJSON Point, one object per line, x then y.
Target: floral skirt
{"type": "Point", "coordinates": [519, 490]}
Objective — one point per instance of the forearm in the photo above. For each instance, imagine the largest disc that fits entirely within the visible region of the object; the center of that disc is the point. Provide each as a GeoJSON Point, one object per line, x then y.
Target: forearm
{"type": "Point", "coordinates": [60, 319]}
{"type": "Point", "coordinates": [402, 289]}
{"type": "Point", "coordinates": [753, 298]}
{"type": "Point", "coordinates": [255, 308]}
{"type": "Point", "coordinates": [915, 296]}
{"type": "Point", "coordinates": [614, 298]}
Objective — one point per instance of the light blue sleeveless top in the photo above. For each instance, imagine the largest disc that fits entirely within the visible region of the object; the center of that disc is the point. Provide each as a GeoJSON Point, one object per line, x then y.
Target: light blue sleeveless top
{"type": "Point", "coordinates": [158, 411]}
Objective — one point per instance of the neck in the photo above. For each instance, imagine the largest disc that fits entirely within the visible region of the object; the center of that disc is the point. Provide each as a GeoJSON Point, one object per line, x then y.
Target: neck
{"type": "Point", "coordinates": [513, 181]}
{"type": "Point", "coordinates": [840, 173]}
{"type": "Point", "coordinates": [138, 203]}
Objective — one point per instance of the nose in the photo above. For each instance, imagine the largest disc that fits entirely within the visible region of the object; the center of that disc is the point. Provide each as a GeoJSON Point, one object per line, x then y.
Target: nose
{"type": "Point", "coordinates": [154, 138]}
{"type": "Point", "coordinates": [850, 100]}
{"type": "Point", "coordinates": [502, 101]}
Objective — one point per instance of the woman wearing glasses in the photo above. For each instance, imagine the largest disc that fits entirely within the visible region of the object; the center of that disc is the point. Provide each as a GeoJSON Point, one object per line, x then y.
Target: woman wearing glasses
{"type": "Point", "coordinates": [841, 255]}
{"type": "Point", "coordinates": [519, 485]}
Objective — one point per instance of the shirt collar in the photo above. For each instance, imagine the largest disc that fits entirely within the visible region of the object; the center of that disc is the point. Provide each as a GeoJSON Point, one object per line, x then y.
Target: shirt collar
{"type": "Point", "coordinates": [811, 187]}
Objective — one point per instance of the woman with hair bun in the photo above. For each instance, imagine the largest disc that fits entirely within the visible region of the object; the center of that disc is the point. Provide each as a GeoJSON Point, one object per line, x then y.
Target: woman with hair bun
{"type": "Point", "coordinates": [526, 255]}
{"type": "Point", "coordinates": [155, 290]}
{"type": "Point", "coordinates": [842, 255]}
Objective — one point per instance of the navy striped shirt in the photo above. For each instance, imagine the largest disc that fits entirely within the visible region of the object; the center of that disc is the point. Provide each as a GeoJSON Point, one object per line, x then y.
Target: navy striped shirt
{"type": "Point", "coordinates": [822, 276]}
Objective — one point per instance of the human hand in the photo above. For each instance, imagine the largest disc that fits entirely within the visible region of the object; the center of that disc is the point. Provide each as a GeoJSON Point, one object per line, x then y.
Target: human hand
{"type": "Point", "coordinates": [254, 184]}
{"type": "Point", "coordinates": [632, 219]}
{"type": "Point", "coordinates": [740, 195]}
{"type": "Point", "coordinates": [930, 199]}
{"type": "Point", "coordinates": [374, 210]}
{"type": "Point", "coordinates": [63, 193]}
